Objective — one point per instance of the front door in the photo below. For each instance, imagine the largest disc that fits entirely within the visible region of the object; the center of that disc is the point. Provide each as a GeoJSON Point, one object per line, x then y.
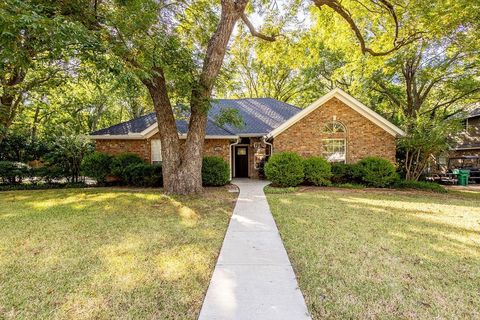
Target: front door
{"type": "Point", "coordinates": [241, 162]}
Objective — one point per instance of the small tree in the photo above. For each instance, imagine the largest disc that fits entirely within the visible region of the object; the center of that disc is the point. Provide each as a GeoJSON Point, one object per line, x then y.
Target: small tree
{"type": "Point", "coordinates": [425, 139]}
{"type": "Point", "coordinates": [68, 153]}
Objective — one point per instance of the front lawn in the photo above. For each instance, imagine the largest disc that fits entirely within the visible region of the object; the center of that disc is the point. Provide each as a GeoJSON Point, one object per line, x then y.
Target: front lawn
{"type": "Point", "coordinates": [105, 254]}
{"type": "Point", "coordinates": [383, 254]}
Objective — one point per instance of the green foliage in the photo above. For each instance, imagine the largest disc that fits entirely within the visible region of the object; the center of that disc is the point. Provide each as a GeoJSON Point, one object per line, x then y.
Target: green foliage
{"type": "Point", "coordinates": [317, 171]}
{"type": "Point", "coordinates": [426, 138]}
{"type": "Point", "coordinates": [67, 154]}
{"type": "Point", "coordinates": [143, 175]}
{"type": "Point", "coordinates": [41, 186]}
{"type": "Point", "coordinates": [47, 173]}
{"type": "Point", "coordinates": [12, 172]}
{"type": "Point", "coordinates": [215, 171]}
{"type": "Point", "coordinates": [18, 147]}
{"type": "Point", "coordinates": [96, 165]}
{"type": "Point", "coordinates": [377, 172]}
{"type": "Point", "coordinates": [285, 169]}
{"type": "Point", "coordinates": [229, 116]}
{"type": "Point", "coordinates": [121, 161]}
{"type": "Point", "coordinates": [420, 185]}
{"type": "Point", "coordinates": [344, 173]}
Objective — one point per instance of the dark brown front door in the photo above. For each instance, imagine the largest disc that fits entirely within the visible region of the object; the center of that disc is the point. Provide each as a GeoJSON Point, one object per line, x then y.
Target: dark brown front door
{"type": "Point", "coordinates": [241, 162]}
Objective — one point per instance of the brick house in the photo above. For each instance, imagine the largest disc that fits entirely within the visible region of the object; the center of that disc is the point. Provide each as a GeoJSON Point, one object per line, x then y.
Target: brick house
{"type": "Point", "coordinates": [337, 127]}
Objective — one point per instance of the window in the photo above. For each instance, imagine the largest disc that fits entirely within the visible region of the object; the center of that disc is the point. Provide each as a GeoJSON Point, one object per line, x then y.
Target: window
{"type": "Point", "coordinates": [156, 151]}
{"type": "Point", "coordinates": [334, 150]}
{"type": "Point", "coordinates": [334, 146]}
{"type": "Point", "coordinates": [334, 127]}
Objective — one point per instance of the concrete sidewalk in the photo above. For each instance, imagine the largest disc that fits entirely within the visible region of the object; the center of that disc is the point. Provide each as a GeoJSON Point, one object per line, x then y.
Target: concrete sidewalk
{"type": "Point", "coordinates": [253, 278]}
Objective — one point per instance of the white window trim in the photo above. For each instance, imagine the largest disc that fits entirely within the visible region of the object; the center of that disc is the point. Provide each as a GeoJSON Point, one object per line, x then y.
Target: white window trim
{"type": "Point", "coordinates": [337, 139]}
{"type": "Point", "coordinates": [152, 153]}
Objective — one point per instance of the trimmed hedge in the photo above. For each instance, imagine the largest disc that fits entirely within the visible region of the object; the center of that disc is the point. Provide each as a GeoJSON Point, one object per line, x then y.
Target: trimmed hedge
{"type": "Point", "coordinates": [377, 172]}
{"type": "Point", "coordinates": [285, 169]}
{"type": "Point", "coordinates": [215, 171]}
{"type": "Point", "coordinates": [122, 161]}
{"type": "Point", "coordinates": [97, 166]}
{"type": "Point", "coordinates": [143, 175]}
{"type": "Point", "coordinates": [344, 173]}
{"type": "Point", "coordinates": [317, 171]}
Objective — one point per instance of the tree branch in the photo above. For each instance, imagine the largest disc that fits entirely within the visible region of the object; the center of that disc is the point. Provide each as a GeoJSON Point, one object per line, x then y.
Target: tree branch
{"type": "Point", "coordinates": [254, 32]}
{"type": "Point", "coordinates": [345, 14]}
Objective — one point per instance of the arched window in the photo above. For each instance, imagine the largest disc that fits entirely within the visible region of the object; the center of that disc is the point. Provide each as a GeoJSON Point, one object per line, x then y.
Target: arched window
{"type": "Point", "coordinates": [334, 127]}
{"type": "Point", "coordinates": [334, 144]}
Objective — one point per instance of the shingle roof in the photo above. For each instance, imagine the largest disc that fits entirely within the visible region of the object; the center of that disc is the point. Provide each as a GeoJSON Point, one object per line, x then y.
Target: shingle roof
{"type": "Point", "coordinates": [260, 116]}
{"type": "Point", "coordinates": [474, 113]}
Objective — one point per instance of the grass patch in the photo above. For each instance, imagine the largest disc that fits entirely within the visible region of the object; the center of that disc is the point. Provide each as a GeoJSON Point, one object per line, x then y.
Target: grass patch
{"type": "Point", "coordinates": [350, 186]}
{"type": "Point", "coordinates": [383, 254]}
{"type": "Point", "coordinates": [277, 190]}
{"type": "Point", "coordinates": [105, 254]}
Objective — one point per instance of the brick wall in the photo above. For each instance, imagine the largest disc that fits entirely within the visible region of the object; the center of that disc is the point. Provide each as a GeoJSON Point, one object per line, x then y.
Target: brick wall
{"type": "Point", "coordinates": [114, 147]}
{"type": "Point", "coordinates": [364, 138]}
{"type": "Point", "coordinates": [213, 147]}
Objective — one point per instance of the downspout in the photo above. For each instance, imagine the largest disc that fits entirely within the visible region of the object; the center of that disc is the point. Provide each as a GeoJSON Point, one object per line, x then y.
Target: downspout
{"type": "Point", "coordinates": [264, 140]}
{"type": "Point", "coordinates": [230, 154]}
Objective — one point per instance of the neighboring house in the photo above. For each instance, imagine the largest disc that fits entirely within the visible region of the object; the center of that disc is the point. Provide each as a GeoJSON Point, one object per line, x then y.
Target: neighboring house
{"type": "Point", "coordinates": [466, 151]}
{"type": "Point", "coordinates": [336, 127]}
{"type": "Point", "coordinates": [469, 144]}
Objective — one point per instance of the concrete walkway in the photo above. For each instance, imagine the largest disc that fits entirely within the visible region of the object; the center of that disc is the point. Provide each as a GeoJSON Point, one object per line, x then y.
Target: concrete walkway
{"type": "Point", "coordinates": [253, 278]}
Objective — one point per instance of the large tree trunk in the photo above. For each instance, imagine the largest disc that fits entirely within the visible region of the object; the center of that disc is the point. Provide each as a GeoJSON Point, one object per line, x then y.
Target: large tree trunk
{"type": "Point", "coordinates": [182, 164]}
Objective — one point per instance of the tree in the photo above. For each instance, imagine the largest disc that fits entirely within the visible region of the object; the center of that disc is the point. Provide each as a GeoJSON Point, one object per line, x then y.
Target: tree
{"type": "Point", "coordinates": [433, 79]}
{"type": "Point", "coordinates": [36, 40]}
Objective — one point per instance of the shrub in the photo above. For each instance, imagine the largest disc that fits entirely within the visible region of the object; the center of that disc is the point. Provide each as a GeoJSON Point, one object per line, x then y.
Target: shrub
{"type": "Point", "coordinates": [215, 171]}
{"type": "Point", "coordinates": [377, 172]}
{"type": "Point", "coordinates": [122, 161]}
{"type": "Point", "coordinates": [12, 172]}
{"type": "Point", "coordinates": [317, 171]}
{"type": "Point", "coordinates": [143, 175]}
{"type": "Point", "coordinates": [344, 173]}
{"type": "Point", "coordinates": [96, 165]}
{"type": "Point", "coordinates": [420, 185]}
{"type": "Point", "coordinates": [285, 169]}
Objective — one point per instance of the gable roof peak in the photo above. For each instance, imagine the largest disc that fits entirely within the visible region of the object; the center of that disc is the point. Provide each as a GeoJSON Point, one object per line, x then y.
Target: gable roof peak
{"type": "Point", "coordinates": [350, 102]}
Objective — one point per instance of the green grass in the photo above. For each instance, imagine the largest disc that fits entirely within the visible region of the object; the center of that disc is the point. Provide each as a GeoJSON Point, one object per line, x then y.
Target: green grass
{"type": "Point", "coordinates": [105, 253]}
{"type": "Point", "coordinates": [384, 254]}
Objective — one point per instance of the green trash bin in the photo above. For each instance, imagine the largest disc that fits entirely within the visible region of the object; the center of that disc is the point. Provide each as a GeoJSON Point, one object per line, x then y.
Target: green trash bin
{"type": "Point", "coordinates": [463, 176]}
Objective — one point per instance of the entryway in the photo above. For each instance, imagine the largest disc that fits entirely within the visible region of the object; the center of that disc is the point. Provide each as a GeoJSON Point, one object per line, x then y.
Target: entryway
{"type": "Point", "coordinates": [240, 162]}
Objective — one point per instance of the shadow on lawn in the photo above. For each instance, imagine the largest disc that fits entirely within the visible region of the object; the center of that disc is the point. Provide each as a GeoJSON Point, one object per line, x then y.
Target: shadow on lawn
{"type": "Point", "coordinates": [107, 253]}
